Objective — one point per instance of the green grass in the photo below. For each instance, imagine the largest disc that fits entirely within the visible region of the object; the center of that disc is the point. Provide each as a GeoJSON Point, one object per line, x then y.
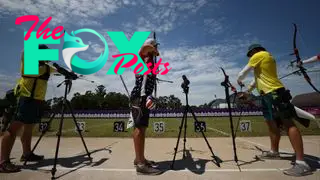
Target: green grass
{"type": "Point", "coordinates": [104, 127]}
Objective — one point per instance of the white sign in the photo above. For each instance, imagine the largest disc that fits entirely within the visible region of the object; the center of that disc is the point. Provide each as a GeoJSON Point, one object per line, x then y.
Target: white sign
{"type": "Point", "coordinates": [118, 126]}
{"type": "Point", "coordinates": [200, 126]}
{"type": "Point", "coordinates": [245, 126]}
{"type": "Point", "coordinates": [159, 127]}
{"type": "Point", "coordinates": [43, 126]}
{"type": "Point", "coordinates": [81, 125]}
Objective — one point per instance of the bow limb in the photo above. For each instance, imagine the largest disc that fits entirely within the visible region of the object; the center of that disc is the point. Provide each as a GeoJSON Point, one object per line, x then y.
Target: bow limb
{"type": "Point", "coordinates": [159, 80]}
{"type": "Point", "coordinates": [298, 60]}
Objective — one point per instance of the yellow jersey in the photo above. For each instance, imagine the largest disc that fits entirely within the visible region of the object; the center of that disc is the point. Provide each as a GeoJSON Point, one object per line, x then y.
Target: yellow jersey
{"type": "Point", "coordinates": [34, 86]}
{"type": "Point", "coordinates": [265, 72]}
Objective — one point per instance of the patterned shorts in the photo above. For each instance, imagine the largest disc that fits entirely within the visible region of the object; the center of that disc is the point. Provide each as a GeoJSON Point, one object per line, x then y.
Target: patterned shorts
{"type": "Point", "coordinates": [276, 105]}
{"type": "Point", "coordinates": [140, 112]}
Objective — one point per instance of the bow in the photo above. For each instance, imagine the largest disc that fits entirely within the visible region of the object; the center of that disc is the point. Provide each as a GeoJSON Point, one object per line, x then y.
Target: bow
{"type": "Point", "coordinates": [241, 100]}
{"type": "Point", "coordinates": [155, 61]}
{"type": "Point", "coordinates": [299, 62]}
{"type": "Point", "coordinates": [226, 83]}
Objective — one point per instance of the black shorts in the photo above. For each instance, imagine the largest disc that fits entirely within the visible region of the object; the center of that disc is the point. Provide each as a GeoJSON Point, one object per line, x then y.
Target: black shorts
{"type": "Point", "coordinates": [29, 110]}
{"type": "Point", "coordinates": [140, 112]}
{"type": "Point", "coordinates": [7, 117]}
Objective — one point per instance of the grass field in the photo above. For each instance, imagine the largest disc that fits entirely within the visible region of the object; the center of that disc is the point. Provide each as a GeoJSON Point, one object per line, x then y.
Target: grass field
{"type": "Point", "coordinates": [104, 127]}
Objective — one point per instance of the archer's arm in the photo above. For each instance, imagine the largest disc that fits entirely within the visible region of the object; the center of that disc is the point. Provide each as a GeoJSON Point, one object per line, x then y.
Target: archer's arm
{"type": "Point", "coordinates": [312, 59]}
{"type": "Point", "coordinates": [252, 86]}
{"type": "Point", "coordinates": [244, 72]}
{"type": "Point", "coordinates": [254, 61]}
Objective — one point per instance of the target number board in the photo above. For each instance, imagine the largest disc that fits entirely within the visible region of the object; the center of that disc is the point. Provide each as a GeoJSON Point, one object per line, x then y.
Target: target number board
{"type": "Point", "coordinates": [118, 126]}
{"type": "Point", "coordinates": [159, 127]}
{"type": "Point", "coordinates": [81, 125]}
{"type": "Point", "coordinates": [200, 126]}
{"type": "Point", "coordinates": [43, 126]}
{"type": "Point", "coordinates": [245, 126]}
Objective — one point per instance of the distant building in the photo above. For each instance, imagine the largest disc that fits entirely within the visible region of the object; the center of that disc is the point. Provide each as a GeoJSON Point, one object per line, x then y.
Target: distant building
{"type": "Point", "coordinates": [225, 105]}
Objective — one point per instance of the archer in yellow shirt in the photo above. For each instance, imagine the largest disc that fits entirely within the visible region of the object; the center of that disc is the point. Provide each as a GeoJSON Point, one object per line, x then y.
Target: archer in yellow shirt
{"type": "Point", "coordinates": [34, 86]}
{"type": "Point", "coordinates": [30, 92]}
{"type": "Point", "coordinates": [276, 106]}
{"type": "Point", "coordinates": [265, 72]}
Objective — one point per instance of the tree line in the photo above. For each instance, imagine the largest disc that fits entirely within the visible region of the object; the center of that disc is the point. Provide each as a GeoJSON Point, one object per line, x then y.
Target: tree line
{"type": "Point", "coordinates": [100, 99]}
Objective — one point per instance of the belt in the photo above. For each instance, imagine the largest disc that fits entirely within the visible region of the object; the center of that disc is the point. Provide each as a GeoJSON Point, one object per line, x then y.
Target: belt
{"type": "Point", "coordinates": [278, 91]}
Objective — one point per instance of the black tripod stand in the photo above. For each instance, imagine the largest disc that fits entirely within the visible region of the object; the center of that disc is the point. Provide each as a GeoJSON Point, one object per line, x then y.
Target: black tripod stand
{"type": "Point", "coordinates": [65, 104]}
{"type": "Point", "coordinates": [185, 87]}
{"type": "Point", "coordinates": [226, 83]}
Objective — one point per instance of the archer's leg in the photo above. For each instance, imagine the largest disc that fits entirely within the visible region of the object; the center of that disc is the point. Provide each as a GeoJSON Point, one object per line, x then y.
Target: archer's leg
{"type": "Point", "coordinates": [143, 166]}
{"type": "Point", "coordinates": [30, 114]}
{"type": "Point", "coordinates": [300, 167]}
{"type": "Point", "coordinates": [26, 139]}
{"type": "Point", "coordinates": [138, 138]}
{"type": "Point", "coordinates": [295, 139]}
{"type": "Point", "coordinates": [274, 132]}
{"type": "Point", "coordinates": [7, 143]}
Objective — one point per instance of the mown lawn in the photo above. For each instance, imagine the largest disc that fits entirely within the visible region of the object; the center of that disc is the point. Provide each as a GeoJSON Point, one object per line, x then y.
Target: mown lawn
{"type": "Point", "coordinates": [104, 127]}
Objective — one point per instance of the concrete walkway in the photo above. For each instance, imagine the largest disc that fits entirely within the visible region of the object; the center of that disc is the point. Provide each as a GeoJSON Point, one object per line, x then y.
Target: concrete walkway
{"type": "Point", "coordinates": [113, 159]}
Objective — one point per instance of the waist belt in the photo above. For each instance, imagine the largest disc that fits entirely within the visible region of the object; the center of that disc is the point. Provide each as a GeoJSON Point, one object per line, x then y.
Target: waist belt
{"type": "Point", "coordinates": [277, 91]}
{"type": "Point", "coordinates": [283, 94]}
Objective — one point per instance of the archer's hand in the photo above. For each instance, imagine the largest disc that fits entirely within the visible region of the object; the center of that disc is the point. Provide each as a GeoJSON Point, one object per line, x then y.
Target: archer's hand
{"type": "Point", "coordinates": [299, 64]}
{"type": "Point", "coordinates": [243, 95]}
{"type": "Point", "coordinates": [240, 83]}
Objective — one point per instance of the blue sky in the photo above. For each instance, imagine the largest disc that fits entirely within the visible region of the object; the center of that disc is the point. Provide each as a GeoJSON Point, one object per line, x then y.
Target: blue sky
{"type": "Point", "coordinates": [196, 37]}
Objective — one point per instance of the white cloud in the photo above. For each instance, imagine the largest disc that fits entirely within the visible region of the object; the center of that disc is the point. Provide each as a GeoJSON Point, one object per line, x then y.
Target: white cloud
{"type": "Point", "coordinates": [11, 29]}
{"type": "Point", "coordinates": [165, 15]}
{"type": "Point", "coordinates": [97, 48]}
{"type": "Point", "coordinates": [159, 15]}
{"type": "Point", "coordinates": [80, 12]}
{"type": "Point", "coordinates": [214, 26]}
{"type": "Point", "coordinates": [7, 82]}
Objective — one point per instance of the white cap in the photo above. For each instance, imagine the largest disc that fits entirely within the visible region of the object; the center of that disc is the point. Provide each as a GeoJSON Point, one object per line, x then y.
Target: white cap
{"type": "Point", "coordinates": [150, 41]}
